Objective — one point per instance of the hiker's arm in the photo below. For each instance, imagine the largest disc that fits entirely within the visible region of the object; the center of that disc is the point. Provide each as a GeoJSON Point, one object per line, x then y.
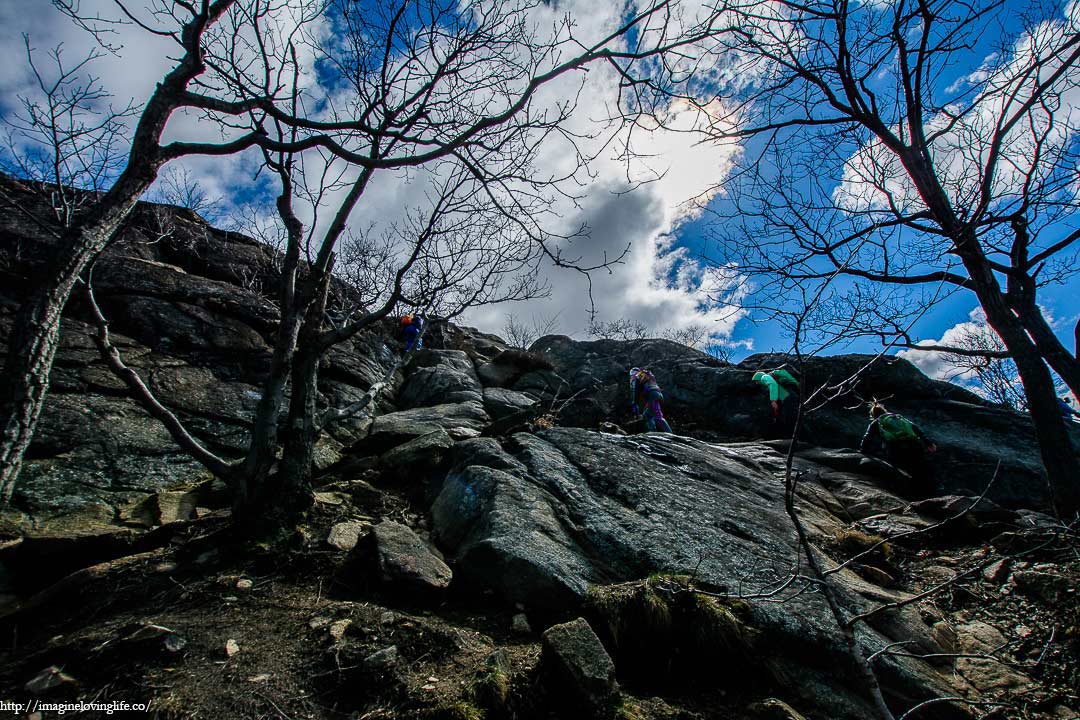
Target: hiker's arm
{"type": "Point", "coordinates": [868, 437]}
{"type": "Point", "coordinates": [927, 442]}
{"type": "Point", "coordinates": [774, 388]}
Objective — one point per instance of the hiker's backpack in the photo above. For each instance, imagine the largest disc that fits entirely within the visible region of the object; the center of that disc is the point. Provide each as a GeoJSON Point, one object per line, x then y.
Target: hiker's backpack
{"type": "Point", "coordinates": [786, 379]}
{"type": "Point", "coordinates": [896, 427]}
{"type": "Point", "coordinates": [640, 381]}
{"type": "Point", "coordinates": [406, 320]}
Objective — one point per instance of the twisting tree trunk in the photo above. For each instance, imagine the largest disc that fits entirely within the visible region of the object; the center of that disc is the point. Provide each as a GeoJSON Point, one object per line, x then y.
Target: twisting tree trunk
{"type": "Point", "coordinates": [1022, 295]}
{"type": "Point", "coordinates": [293, 304]}
{"type": "Point", "coordinates": [1051, 348]}
{"type": "Point", "coordinates": [36, 331]}
{"type": "Point", "coordinates": [269, 500]}
{"type": "Point", "coordinates": [1055, 445]}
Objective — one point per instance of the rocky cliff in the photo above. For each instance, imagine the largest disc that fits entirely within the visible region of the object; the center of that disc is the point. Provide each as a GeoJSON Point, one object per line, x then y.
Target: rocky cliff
{"type": "Point", "coordinates": [191, 309]}
{"type": "Point", "coordinates": [501, 540]}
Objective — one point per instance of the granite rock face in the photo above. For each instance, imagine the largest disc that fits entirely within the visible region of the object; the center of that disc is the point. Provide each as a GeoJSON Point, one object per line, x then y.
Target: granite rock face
{"type": "Point", "coordinates": [546, 519]}
{"type": "Point", "coordinates": [191, 308]}
{"type": "Point", "coordinates": [708, 398]}
{"type": "Point", "coordinates": [677, 548]}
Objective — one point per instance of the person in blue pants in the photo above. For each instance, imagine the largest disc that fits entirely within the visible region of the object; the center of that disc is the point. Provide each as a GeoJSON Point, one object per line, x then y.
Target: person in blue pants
{"type": "Point", "coordinates": [645, 393]}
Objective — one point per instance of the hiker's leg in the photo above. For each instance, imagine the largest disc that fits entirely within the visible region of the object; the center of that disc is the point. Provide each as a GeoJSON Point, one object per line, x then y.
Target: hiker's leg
{"type": "Point", "coordinates": [650, 419]}
{"type": "Point", "coordinates": [658, 416]}
{"type": "Point", "coordinates": [655, 409]}
{"type": "Point", "coordinates": [775, 425]}
{"type": "Point", "coordinates": [410, 337]}
{"type": "Point", "coordinates": [922, 471]}
{"type": "Point", "coordinates": [911, 458]}
{"type": "Point", "coordinates": [789, 410]}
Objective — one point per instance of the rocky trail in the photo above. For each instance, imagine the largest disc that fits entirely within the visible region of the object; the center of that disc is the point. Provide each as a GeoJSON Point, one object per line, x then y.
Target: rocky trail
{"type": "Point", "coordinates": [500, 539]}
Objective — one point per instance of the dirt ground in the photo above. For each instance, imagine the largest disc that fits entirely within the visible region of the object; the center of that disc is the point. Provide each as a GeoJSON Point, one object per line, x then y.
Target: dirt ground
{"type": "Point", "coordinates": [205, 628]}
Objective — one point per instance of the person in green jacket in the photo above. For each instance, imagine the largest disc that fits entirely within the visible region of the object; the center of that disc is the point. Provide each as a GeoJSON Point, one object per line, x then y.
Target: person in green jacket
{"type": "Point", "coordinates": [783, 399]}
{"type": "Point", "coordinates": [902, 444]}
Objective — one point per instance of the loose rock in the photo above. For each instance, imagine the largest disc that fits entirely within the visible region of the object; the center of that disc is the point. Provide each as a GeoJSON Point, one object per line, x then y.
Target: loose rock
{"type": "Point", "coordinates": [406, 562]}
{"type": "Point", "coordinates": [49, 680]}
{"type": "Point", "coordinates": [574, 655]}
{"type": "Point", "coordinates": [345, 535]}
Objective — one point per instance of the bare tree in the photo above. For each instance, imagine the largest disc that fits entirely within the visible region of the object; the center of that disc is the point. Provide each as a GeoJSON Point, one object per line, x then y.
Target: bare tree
{"type": "Point", "coordinates": [694, 335]}
{"type": "Point", "coordinates": [446, 91]}
{"type": "Point", "coordinates": [619, 329]}
{"type": "Point", "coordinates": [65, 139]}
{"type": "Point", "coordinates": [178, 186]}
{"type": "Point", "coordinates": [996, 376]}
{"type": "Point", "coordinates": [522, 335]}
{"type": "Point", "coordinates": [873, 161]}
{"type": "Point", "coordinates": [35, 333]}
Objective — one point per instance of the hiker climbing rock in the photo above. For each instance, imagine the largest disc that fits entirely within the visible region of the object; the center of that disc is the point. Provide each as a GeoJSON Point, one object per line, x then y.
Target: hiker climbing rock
{"type": "Point", "coordinates": [1066, 407]}
{"type": "Point", "coordinates": [411, 325]}
{"type": "Point", "coordinates": [783, 390]}
{"type": "Point", "coordinates": [901, 443]}
{"type": "Point", "coordinates": [645, 393]}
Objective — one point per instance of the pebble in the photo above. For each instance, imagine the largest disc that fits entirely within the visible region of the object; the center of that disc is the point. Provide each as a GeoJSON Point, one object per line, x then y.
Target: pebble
{"type": "Point", "coordinates": [337, 629]}
{"type": "Point", "coordinates": [520, 625]}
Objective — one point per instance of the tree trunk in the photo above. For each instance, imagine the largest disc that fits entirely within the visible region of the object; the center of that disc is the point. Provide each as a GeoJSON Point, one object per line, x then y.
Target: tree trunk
{"type": "Point", "coordinates": [302, 433]}
{"type": "Point", "coordinates": [1052, 349]}
{"type": "Point", "coordinates": [35, 333]}
{"type": "Point", "coordinates": [272, 501]}
{"type": "Point", "coordinates": [1055, 445]}
{"type": "Point", "coordinates": [264, 430]}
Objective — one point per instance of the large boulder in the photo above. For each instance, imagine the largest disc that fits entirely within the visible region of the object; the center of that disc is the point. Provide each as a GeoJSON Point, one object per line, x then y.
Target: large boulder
{"type": "Point", "coordinates": [502, 402]}
{"type": "Point", "coordinates": [510, 365]}
{"type": "Point", "coordinates": [541, 518]}
{"type": "Point", "coordinates": [461, 419]}
{"type": "Point", "coordinates": [427, 450]}
{"type": "Point", "coordinates": [579, 667]}
{"type": "Point", "coordinates": [438, 377]}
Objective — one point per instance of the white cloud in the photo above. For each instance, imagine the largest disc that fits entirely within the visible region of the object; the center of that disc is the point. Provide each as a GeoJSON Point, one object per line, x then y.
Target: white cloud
{"type": "Point", "coordinates": [636, 202]}
{"type": "Point", "coordinates": [939, 365]}
{"type": "Point", "coordinates": [874, 178]}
